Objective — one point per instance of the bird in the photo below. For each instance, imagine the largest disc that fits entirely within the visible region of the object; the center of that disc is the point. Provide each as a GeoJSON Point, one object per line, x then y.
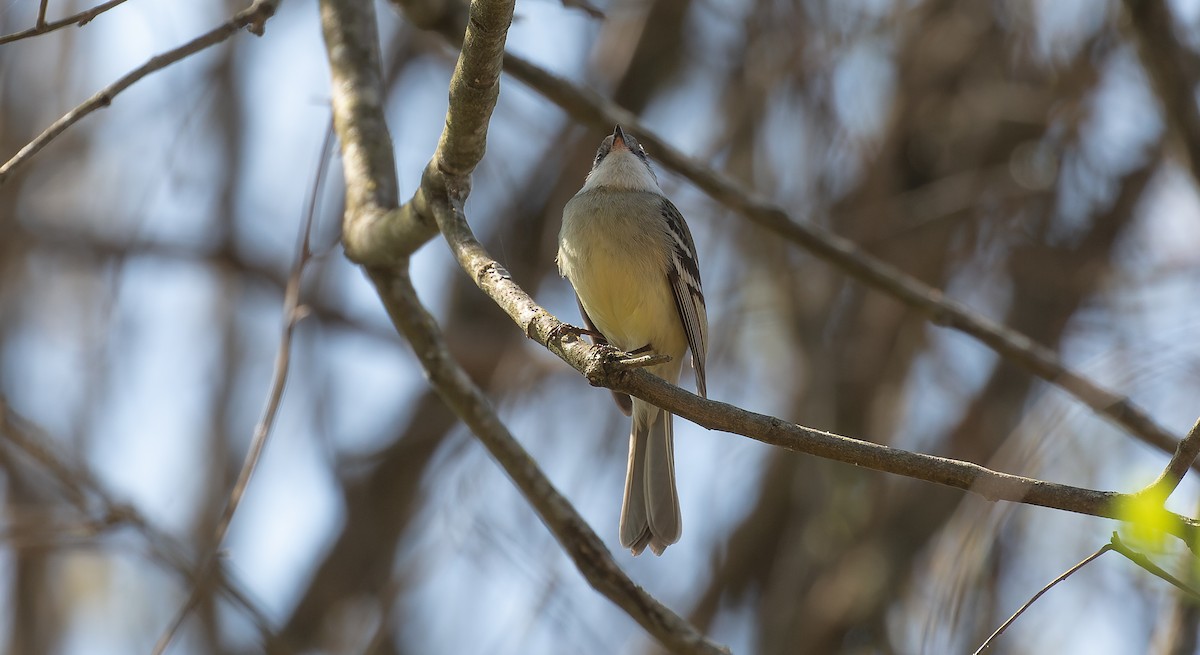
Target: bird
{"type": "Point", "coordinates": [630, 257]}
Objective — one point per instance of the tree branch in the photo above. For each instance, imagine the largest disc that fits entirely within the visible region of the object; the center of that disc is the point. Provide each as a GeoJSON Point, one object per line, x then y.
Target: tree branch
{"type": "Point", "coordinates": [603, 367]}
{"type": "Point", "coordinates": [293, 313]}
{"type": "Point", "coordinates": [40, 23]}
{"type": "Point", "coordinates": [1066, 574]}
{"type": "Point", "coordinates": [586, 549]}
{"type": "Point", "coordinates": [381, 237]}
{"type": "Point", "coordinates": [590, 107]}
{"type": "Point", "coordinates": [1150, 567]}
{"type": "Point", "coordinates": [42, 27]}
{"type": "Point", "coordinates": [1183, 459]}
{"type": "Point", "coordinates": [253, 17]}
{"type": "Point", "coordinates": [374, 231]}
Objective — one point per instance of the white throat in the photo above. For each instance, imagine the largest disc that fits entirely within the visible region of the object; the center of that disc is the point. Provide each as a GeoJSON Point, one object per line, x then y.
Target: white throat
{"type": "Point", "coordinates": [621, 169]}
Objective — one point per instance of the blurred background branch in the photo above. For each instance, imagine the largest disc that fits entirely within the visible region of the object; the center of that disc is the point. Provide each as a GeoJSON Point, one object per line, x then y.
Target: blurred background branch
{"type": "Point", "coordinates": [42, 25]}
{"type": "Point", "coordinates": [253, 18]}
{"type": "Point", "coordinates": [1019, 157]}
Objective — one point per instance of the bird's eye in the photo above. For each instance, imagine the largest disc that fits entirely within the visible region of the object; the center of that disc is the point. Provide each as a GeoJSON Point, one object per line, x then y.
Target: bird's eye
{"type": "Point", "coordinates": [602, 152]}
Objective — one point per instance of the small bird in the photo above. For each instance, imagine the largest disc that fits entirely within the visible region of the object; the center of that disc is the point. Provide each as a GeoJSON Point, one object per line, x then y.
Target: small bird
{"type": "Point", "coordinates": [630, 257]}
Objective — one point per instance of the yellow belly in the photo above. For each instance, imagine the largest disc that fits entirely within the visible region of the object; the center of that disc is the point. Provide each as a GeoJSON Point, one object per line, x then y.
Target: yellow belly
{"type": "Point", "coordinates": [628, 300]}
{"type": "Point", "coordinates": [621, 274]}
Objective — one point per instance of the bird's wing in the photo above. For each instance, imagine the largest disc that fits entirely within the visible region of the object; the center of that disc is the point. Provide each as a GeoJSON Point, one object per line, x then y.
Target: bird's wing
{"type": "Point", "coordinates": [684, 276]}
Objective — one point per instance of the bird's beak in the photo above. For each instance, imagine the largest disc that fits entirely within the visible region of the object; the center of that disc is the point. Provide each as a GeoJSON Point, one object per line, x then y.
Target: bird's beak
{"type": "Point", "coordinates": [619, 138]}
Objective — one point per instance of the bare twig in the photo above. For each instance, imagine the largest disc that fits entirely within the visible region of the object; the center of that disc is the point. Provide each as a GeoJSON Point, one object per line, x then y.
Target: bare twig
{"type": "Point", "coordinates": [253, 17]}
{"type": "Point", "coordinates": [81, 485]}
{"type": "Point", "coordinates": [1066, 574]}
{"type": "Point", "coordinates": [1152, 568]}
{"type": "Point", "coordinates": [1183, 459]}
{"type": "Point", "coordinates": [41, 17]}
{"type": "Point", "coordinates": [599, 365]}
{"type": "Point", "coordinates": [293, 312]}
{"type": "Point", "coordinates": [42, 27]}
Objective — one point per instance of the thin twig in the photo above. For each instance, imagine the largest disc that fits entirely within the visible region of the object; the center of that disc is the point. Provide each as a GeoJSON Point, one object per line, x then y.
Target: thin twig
{"type": "Point", "coordinates": [41, 17]}
{"type": "Point", "coordinates": [1183, 459]}
{"type": "Point", "coordinates": [293, 312]}
{"type": "Point", "coordinates": [42, 27]}
{"type": "Point", "coordinates": [1144, 562]}
{"type": "Point", "coordinates": [253, 17]}
{"type": "Point", "coordinates": [999, 631]}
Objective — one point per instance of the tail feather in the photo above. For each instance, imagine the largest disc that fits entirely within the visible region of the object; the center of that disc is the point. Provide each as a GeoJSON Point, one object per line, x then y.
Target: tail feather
{"type": "Point", "coordinates": [650, 513]}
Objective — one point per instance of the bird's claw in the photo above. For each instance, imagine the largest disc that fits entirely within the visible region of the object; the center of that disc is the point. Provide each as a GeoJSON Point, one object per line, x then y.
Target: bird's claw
{"type": "Point", "coordinates": [561, 330]}
{"type": "Point", "coordinates": [630, 360]}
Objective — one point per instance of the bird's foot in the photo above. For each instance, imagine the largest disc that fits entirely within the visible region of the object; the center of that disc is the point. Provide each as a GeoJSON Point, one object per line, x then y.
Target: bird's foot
{"type": "Point", "coordinates": [563, 329]}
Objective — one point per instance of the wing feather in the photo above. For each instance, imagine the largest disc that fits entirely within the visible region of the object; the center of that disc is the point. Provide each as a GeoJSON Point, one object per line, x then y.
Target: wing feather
{"type": "Point", "coordinates": [684, 276]}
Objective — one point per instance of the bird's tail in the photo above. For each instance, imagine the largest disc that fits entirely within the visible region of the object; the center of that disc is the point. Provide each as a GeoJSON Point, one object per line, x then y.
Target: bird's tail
{"type": "Point", "coordinates": [650, 513]}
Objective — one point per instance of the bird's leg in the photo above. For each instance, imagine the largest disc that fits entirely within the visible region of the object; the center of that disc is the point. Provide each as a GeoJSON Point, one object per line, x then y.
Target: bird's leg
{"type": "Point", "coordinates": [642, 357]}
{"type": "Point", "coordinates": [563, 329]}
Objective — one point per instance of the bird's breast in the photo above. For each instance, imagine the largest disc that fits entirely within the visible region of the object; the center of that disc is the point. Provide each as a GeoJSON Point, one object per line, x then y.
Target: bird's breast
{"type": "Point", "coordinates": [614, 255]}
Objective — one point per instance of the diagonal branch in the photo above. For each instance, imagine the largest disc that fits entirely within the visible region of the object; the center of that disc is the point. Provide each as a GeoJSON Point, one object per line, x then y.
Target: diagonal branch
{"type": "Point", "coordinates": [987, 643]}
{"type": "Point", "coordinates": [603, 367]}
{"type": "Point", "coordinates": [381, 236]}
{"type": "Point", "coordinates": [590, 107]}
{"type": "Point", "coordinates": [293, 313]}
{"type": "Point", "coordinates": [1150, 567]}
{"type": "Point", "coordinates": [42, 27]}
{"type": "Point", "coordinates": [1114, 544]}
{"type": "Point", "coordinates": [253, 17]}
{"type": "Point", "coordinates": [580, 542]}
{"type": "Point", "coordinates": [1183, 459]}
